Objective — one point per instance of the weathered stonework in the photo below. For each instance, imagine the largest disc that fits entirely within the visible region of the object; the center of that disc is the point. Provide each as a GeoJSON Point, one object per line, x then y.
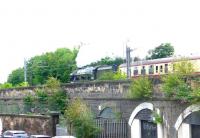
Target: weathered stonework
{"type": "Point", "coordinates": [112, 93]}
{"type": "Point", "coordinates": [31, 124]}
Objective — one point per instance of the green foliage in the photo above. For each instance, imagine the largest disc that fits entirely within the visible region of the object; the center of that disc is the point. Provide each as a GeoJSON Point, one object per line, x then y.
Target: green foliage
{"type": "Point", "coordinates": [41, 95]}
{"type": "Point", "coordinates": [81, 117]}
{"type": "Point", "coordinates": [16, 77]}
{"type": "Point", "coordinates": [140, 88]}
{"type": "Point", "coordinates": [29, 99]}
{"type": "Point", "coordinates": [108, 61]}
{"type": "Point", "coordinates": [58, 64]}
{"type": "Point", "coordinates": [177, 85]}
{"type": "Point", "coordinates": [51, 98]}
{"type": "Point", "coordinates": [157, 119]}
{"type": "Point", "coordinates": [183, 67]}
{"type": "Point", "coordinates": [162, 51]}
{"type": "Point", "coordinates": [6, 86]}
{"type": "Point", "coordinates": [58, 101]}
{"type": "Point", "coordinates": [22, 84]}
{"type": "Point", "coordinates": [112, 76]}
{"type": "Point", "coordinates": [52, 83]}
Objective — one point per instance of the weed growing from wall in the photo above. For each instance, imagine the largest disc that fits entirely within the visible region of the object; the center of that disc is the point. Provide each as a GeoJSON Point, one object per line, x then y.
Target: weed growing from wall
{"type": "Point", "coordinates": [81, 118]}
{"type": "Point", "coordinates": [140, 88]}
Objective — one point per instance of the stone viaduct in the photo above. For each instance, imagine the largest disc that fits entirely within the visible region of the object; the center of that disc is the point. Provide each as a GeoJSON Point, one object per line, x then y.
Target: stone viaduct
{"type": "Point", "coordinates": [180, 120]}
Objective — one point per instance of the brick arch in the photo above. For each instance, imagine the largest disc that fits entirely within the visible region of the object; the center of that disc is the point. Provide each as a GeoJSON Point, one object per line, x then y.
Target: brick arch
{"type": "Point", "coordinates": [140, 107]}
{"type": "Point", "coordinates": [186, 113]}
{"type": "Point", "coordinates": [1, 126]}
{"type": "Point", "coordinates": [136, 124]}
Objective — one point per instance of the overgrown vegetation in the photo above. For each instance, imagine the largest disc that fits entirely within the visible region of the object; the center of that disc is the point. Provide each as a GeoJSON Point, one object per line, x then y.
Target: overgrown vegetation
{"type": "Point", "coordinates": [49, 98]}
{"type": "Point", "coordinates": [58, 64]}
{"type": "Point", "coordinates": [178, 84]}
{"type": "Point", "coordinates": [82, 119]}
{"type": "Point", "coordinates": [112, 76]}
{"type": "Point", "coordinates": [140, 88]}
{"type": "Point", "coordinates": [157, 119]}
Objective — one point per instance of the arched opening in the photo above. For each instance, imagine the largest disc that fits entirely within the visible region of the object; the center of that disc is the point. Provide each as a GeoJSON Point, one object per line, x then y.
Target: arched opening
{"type": "Point", "coordinates": [142, 124]}
{"type": "Point", "coordinates": [1, 127]}
{"type": "Point", "coordinates": [188, 123]}
{"type": "Point", "coordinates": [107, 113]}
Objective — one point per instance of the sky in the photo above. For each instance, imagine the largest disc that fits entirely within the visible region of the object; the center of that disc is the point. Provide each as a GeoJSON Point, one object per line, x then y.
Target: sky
{"type": "Point", "coordinates": [101, 27]}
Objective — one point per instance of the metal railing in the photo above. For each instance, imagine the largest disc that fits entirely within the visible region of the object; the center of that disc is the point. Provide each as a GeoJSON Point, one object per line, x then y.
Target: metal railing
{"type": "Point", "coordinates": [112, 128]}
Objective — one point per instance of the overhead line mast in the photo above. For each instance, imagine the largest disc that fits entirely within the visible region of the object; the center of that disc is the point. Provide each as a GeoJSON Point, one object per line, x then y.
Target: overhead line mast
{"type": "Point", "coordinates": [128, 61]}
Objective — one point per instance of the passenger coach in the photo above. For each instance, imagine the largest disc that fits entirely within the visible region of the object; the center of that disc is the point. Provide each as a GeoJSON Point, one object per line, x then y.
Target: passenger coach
{"type": "Point", "coordinates": [157, 66]}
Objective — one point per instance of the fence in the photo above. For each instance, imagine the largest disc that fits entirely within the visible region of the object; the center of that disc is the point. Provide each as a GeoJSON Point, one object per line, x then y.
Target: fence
{"type": "Point", "coordinates": [112, 128]}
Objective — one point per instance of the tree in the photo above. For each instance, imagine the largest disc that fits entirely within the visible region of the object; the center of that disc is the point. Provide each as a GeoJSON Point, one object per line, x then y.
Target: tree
{"type": "Point", "coordinates": [108, 61]}
{"type": "Point", "coordinates": [58, 64]}
{"type": "Point", "coordinates": [16, 77]}
{"type": "Point", "coordinates": [162, 51]}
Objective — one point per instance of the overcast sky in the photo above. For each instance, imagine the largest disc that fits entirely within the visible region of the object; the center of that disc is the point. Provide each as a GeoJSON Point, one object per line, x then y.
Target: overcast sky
{"type": "Point", "coordinates": [29, 28]}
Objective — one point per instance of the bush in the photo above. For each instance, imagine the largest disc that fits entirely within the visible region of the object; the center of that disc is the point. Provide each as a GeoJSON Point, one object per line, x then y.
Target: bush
{"type": "Point", "coordinates": [6, 86]}
{"type": "Point", "coordinates": [51, 98]}
{"type": "Point", "coordinates": [177, 85]}
{"type": "Point", "coordinates": [140, 88]}
{"type": "Point", "coordinates": [112, 76]}
{"type": "Point", "coordinates": [81, 118]}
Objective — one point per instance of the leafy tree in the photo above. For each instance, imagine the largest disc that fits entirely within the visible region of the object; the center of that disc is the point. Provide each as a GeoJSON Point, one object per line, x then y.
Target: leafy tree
{"type": "Point", "coordinates": [16, 76]}
{"type": "Point", "coordinates": [162, 51]}
{"type": "Point", "coordinates": [58, 64]}
{"type": "Point", "coordinates": [108, 61]}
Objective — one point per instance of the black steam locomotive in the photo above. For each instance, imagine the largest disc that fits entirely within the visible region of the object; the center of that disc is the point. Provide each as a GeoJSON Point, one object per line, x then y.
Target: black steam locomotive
{"type": "Point", "coordinates": [90, 73]}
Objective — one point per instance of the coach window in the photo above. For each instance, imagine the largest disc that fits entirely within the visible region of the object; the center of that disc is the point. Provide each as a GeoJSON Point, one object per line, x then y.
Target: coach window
{"type": "Point", "coordinates": [166, 68]}
{"type": "Point", "coordinates": [143, 71]}
{"type": "Point", "coordinates": [156, 69]}
{"type": "Point", "coordinates": [135, 72]}
{"type": "Point", "coordinates": [151, 71]}
{"type": "Point", "coordinates": [161, 69]}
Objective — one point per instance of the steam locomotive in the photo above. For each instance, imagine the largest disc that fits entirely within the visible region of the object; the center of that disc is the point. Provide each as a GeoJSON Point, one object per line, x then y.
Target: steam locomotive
{"type": "Point", "coordinates": [146, 67]}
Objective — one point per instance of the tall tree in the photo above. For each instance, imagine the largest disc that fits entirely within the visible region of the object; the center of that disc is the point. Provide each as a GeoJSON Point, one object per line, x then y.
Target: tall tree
{"type": "Point", "coordinates": [162, 51]}
{"type": "Point", "coordinates": [58, 64]}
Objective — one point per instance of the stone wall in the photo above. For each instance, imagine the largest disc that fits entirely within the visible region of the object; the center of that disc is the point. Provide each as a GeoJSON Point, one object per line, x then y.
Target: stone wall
{"type": "Point", "coordinates": [106, 89]}
{"type": "Point", "coordinates": [36, 124]}
{"type": "Point", "coordinates": [169, 109]}
{"type": "Point", "coordinates": [113, 94]}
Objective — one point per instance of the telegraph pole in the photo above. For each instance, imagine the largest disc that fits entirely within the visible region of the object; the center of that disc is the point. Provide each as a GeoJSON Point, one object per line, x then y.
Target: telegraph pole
{"type": "Point", "coordinates": [25, 70]}
{"type": "Point", "coordinates": [128, 61]}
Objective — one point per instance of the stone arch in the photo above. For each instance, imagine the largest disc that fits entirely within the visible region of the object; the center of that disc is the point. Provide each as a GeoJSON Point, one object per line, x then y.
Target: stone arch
{"type": "Point", "coordinates": [136, 124]}
{"type": "Point", "coordinates": [185, 113]}
{"type": "Point", "coordinates": [184, 124]}
{"type": "Point", "coordinates": [138, 109]}
{"type": "Point", "coordinates": [1, 126]}
{"type": "Point", "coordinates": [106, 113]}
